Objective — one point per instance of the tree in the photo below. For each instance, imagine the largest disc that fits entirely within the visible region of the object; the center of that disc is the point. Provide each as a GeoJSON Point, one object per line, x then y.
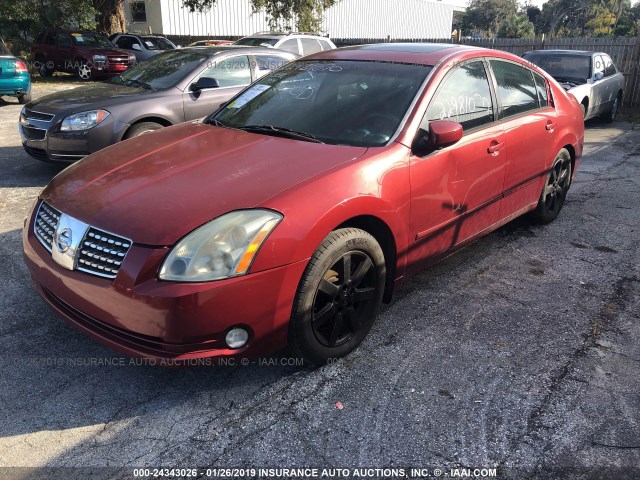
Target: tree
{"type": "Point", "coordinates": [488, 15]}
{"type": "Point", "coordinates": [110, 17]}
{"type": "Point", "coordinates": [306, 13]}
{"type": "Point", "coordinates": [517, 25]}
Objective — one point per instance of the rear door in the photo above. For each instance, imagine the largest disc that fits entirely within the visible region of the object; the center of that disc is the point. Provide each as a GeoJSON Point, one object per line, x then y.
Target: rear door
{"type": "Point", "coordinates": [456, 191]}
{"type": "Point", "coordinates": [61, 52]}
{"type": "Point", "coordinates": [531, 125]}
{"type": "Point", "coordinates": [233, 73]}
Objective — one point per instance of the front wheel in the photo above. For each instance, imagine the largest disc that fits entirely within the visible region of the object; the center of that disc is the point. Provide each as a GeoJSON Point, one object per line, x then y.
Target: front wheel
{"type": "Point", "coordinates": [142, 128]}
{"type": "Point", "coordinates": [554, 191]}
{"type": "Point", "coordinates": [339, 296]}
{"type": "Point", "coordinates": [83, 72]}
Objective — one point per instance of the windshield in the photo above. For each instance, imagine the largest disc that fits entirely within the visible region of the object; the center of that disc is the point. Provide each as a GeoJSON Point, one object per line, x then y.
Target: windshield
{"type": "Point", "coordinates": [357, 103]}
{"type": "Point", "coordinates": [256, 41]}
{"type": "Point", "coordinates": [91, 40]}
{"type": "Point", "coordinates": [163, 71]}
{"type": "Point", "coordinates": [157, 43]}
{"type": "Point", "coordinates": [563, 67]}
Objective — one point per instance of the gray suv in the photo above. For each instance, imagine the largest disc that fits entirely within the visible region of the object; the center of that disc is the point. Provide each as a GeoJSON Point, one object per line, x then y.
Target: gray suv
{"type": "Point", "coordinates": [142, 46]}
{"type": "Point", "coordinates": [295, 42]}
{"type": "Point", "coordinates": [172, 87]}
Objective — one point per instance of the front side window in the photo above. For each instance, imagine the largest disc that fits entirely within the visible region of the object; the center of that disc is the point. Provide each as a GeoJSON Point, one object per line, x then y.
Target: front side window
{"type": "Point", "coordinates": [516, 89]}
{"type": "Point", "coordinates": [157, 43]}
{"type": "Point", "coordinates": [463, 97]}
{"type": "Point", "coordinates": [266, 63]}
{"type": "Point", "coordinates": [229, 72]}
{"type": "Point", "coordinates": [126, 42]}
{"type": "Point", "coordinates": [344, 102]}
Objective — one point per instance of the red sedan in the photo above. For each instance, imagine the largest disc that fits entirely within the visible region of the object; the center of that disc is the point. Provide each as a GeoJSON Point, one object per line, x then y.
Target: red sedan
{"type": "Point", "coordinates": [290, 214]}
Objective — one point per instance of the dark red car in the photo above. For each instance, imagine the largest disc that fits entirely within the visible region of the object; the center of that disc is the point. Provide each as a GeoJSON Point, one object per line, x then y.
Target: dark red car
{"type": "Point", "coordinates": [295, 210]}
{"type": "Point", "coordinates": [87, 54]}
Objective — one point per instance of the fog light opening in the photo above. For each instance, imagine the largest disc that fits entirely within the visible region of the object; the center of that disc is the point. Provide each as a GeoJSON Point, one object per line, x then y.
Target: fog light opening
{"type": "Point", "coordinates": [237, 337]}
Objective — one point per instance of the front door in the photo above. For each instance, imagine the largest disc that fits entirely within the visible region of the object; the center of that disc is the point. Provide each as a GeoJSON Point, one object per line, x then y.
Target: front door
{"type": "Point", "coordinates": [232, 73]}
{"type": "Point", "coordinates": [456, 191]}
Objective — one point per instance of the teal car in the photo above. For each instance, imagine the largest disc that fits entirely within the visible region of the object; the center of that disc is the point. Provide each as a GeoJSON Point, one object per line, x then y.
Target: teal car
{"type": "Point", "coordinates": [14, 76]}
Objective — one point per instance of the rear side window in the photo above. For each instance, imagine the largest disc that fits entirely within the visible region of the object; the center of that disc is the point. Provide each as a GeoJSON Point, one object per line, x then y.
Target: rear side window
{"type": "Point", "coordinates": [325, 45]}
{"type": "Point", "coordinates": [609, 67]}
{"type": "Point", "coordinates": [541, 87]}
{"type": "Point", "coordinates": [290, 45]}
{"type": "Point", "coordinates": [230, 72]}
{"type": "Point", "coordinates": [463, 97]}
{"type": "Point", "coordinates": [516, 88]}
{"type": "Point", "coordinates": [126, 42]}
{"type": "Point", "coordinates": [310, 45]}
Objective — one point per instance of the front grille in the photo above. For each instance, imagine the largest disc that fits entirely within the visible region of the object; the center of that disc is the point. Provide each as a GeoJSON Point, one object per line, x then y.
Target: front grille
{"type": "Point", "coordinates": [37, 153]}
{"type": "Point", "coordinates": [33, 115]}
{"type": "Point", "coordinates": [117, 59]}
{"type": "Point", "coordinates": [34, 133]}
{"type": "Point", "coordinates": [45, 224]}
{"type": "Point", "coordinates": [101, 253]}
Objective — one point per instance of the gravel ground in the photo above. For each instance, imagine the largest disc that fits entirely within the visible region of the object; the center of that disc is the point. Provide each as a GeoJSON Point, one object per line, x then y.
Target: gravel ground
{"type": "Point", "coordinates": [521, 353]}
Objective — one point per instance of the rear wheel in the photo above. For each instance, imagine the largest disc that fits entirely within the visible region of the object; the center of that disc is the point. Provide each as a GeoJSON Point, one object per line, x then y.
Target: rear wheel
{"type": "Point", "coordinates": [142, 128]}
{"type": "Point", "coordinates": [610, 115]}
{"type": "Point", "coordinates": [555, 189]}
{"type": "Point", "coordinates": [45, 69]}
{"type": "Point", "coordinates": [24, 98]}
{"type": "Point", "coordinates": [339, 296]}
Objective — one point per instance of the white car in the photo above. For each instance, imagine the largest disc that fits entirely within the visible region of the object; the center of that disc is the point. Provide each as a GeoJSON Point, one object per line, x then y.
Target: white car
{"type": "Point", "coordinates": [295, 42]}
{"type": "Point", "coordinates": [590, 76]}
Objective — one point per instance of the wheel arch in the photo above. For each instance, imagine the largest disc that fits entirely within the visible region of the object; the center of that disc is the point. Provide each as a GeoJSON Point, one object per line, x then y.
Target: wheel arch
{"type": "Point", "coordinates": [165, 122]}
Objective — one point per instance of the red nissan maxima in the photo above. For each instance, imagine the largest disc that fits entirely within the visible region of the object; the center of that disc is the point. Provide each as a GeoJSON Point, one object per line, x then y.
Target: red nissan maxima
{"type": "Point", "coordinates": [291, 213]}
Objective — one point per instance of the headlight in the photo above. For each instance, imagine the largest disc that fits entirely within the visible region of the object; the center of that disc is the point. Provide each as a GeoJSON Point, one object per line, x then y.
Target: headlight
{"type": "Point", "coordinates": [99, 59]}
{"type": "Point", "coordinates": [222, 248]}
{"type": "Point", "coordinates": [132, 57]}
{"type": "Point", "coordinates": [83, 120]}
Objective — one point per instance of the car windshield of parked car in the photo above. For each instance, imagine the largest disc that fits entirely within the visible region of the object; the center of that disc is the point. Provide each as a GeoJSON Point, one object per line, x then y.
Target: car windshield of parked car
{"type": "Point", "coordinates": [359, 103]}
{"type": "Point", "coordinates": [163, 71]}
{"type": "Point", "coordinates": [157, 43]}
{"type": "Point", "coordinates": [91, 40]}
{"type": "Point", "coordinates": [563, 67]}
{"type": "Point", "coordinates": [256, 41]}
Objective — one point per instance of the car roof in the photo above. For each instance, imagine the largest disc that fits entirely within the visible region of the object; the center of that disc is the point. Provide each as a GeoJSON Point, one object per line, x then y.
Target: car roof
{"type": "Point", "coordinates": [419, 53]}
{"type": "Point", "coordinates": [228, 48]}
{"type": "Point", "coordinates": [581, 53]}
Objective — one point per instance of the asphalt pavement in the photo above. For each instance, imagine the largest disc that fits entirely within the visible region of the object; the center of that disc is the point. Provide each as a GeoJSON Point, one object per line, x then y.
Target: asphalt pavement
{"type": "Point", "coordinates": [520, 353]}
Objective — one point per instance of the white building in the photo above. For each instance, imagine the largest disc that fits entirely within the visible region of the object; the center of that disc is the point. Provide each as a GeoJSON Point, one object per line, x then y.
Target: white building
{"type": "Point", "coordinates": [346, 19]}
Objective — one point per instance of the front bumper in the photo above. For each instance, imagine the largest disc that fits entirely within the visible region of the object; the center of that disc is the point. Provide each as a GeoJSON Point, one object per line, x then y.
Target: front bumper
{"type": "Point", "coordinates": [141, 316]}
{"type": "Point", "coordinates": [44, 141]}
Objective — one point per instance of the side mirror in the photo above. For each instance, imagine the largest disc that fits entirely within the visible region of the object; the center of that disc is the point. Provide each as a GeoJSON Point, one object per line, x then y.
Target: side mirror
{"type": "Point", "coordinates": [443, 133]}
{"type": "Point", "coordinates": [135, 46]}
{"type": "Point", "coordinates": [204, 83]}
{"type": "Point", "coordinates": [598, 76]}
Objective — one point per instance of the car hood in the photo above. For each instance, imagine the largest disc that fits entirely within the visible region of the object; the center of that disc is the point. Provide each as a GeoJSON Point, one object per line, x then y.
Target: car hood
{"type": "Point", "coordinates": [156, 188]}
{"type": "Point", "coordinates": [100, 95]}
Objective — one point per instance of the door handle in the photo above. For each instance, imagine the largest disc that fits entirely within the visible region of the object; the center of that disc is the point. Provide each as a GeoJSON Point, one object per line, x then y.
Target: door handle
{"type": "Point", "coordinates": [551, 126]}
{"type": "Point", "coordinates": [495, 147]}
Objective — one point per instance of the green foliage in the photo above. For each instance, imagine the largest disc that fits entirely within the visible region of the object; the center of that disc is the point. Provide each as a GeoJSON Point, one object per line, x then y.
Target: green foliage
{"type": "Point", "coordinates": [517, 25]}
{"type": "Point", "coordinates": [23, 20]}
{"type": "Point", "coordinates": [307, 14]}
{"type": "Point", "coordinates": [487, 15]}
{"type": "Point", "coordinates": [588, 18]}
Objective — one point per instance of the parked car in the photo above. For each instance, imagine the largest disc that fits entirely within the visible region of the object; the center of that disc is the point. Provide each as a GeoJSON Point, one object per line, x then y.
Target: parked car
{"type": "Point", "coordinates": [142, 46]}
{"type": "Point", "coordinates": [210, 43]}
{"type": "Point", "coordinates": [14, 76]}
{"type": "Point", "coordinates": [87, 54]}
{"type": "Point", "coordinates": [172, 87]}
{"type": "Point", "coordinates": [300, 43]}
{"type": "Point", "coordinates": [591, 77]}
{"type": "Point", "coordinates": [294, 210]}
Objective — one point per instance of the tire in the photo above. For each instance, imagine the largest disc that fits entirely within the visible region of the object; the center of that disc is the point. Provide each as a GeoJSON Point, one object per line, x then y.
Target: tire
{"type": "Point", "coordinates": [142, 128]}
{"type": "Point", "coordinates": [554, 191]}
{"type": "Point", "coordinates": [583, 107]}
{"type": "Point", "coordinates": [333, 312]}
{"type": "Point", "coordinates": [610, 115]}
{"type": "Point", "coordinates": [24, 98]}
{"type": "Point", "coordinates": [43, 70]}
{"type": "Point", "coordinates": [83, 72]}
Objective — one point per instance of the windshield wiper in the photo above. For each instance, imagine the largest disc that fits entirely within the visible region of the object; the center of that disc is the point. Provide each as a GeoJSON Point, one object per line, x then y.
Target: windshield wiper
{"type": "Point", "coordinates": [216, 122]}
{"type": "Point", "coordinates": [286, 132]}
{"type": "Point", "coordinates": [139, 83]}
